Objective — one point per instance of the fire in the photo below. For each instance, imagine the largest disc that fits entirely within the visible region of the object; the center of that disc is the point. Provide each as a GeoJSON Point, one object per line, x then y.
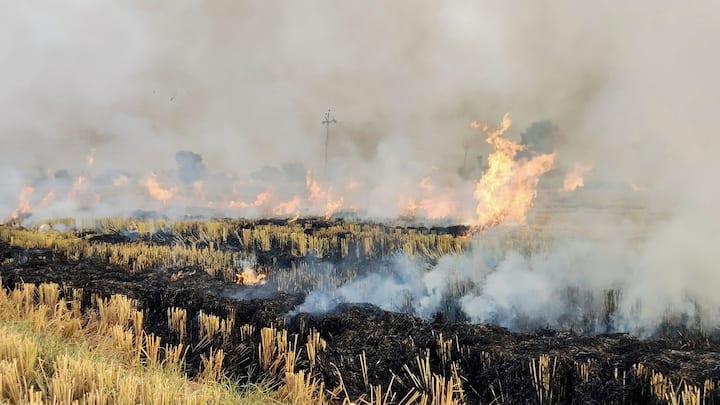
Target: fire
{"type": "Point", "coordinates": [294, 218]}
{"type": "Point", "coordinates": [287, 207]}
{"type": "Point", "coordinates": [318, 196]}
{"type": "Point", "coordinates": [23, 202]}
{"type": "Point", "coordinates": [250, 277]}
{"type": "Point", "coordinates": [76, 187]}
{"type": "Point", "coordinates": [575, 178]}
{"type": "Point", "coordinates": [410, 209]}
{"type": "Point", "coordinates": [438, 208]}
{"type": "Point", "coordinates": [157, 192]}
{"type": "Point", "coordinates": [47, 200]}
{"type": "Point", "coordinates": [429, 204]}
{"type": "Point", "coordinates": [506, 190]}
{"type": "Point", "coordinates": [260, 200]}
{"type": "Point", "coordinates": [333, 206]}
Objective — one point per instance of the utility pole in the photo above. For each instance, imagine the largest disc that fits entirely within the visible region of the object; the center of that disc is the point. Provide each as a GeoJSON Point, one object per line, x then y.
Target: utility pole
{"type": "Point", "coordinates": [327, 120]}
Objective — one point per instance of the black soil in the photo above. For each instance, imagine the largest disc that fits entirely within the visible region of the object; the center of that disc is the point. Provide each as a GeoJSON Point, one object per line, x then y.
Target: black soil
{"type": "Point", "coordinates": [493, 362]}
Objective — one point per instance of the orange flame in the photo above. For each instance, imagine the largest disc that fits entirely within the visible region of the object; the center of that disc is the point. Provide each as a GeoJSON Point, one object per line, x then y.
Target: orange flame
{"type": "Point", "coordinates": [287, 207]}
{"type": "Point", "coordinates": [260, 200]}
{"type": "Point", "coordinates": [294, 218]}
{"type": "Point", "coordinates": [157, 192]}
{"type": "Point", "coordinates": [575, 178]}
{"type": "Point", "coordinates": [318, 196]}
{"type": "Point", "coordinates": [506, 190]}
{"type": "Point", "coordinates": [250, 277]}
{"type": "Point", "coordinates": [429, 205]}
{"type": "Point", "coordinates": [333, 206]}
{"type": "Point", "coordinates": [23, 202]}
{"type": "Point", "coordinates": [77, 185]}
{"type": "Point", "coordinates": [47, 200]}
{"type": "Point", "coordinates": [438, 208]}
{"type": "Point", "coordinates": [410, 209]}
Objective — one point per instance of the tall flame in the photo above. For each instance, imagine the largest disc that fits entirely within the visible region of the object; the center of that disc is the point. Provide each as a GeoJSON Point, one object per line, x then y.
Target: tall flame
{"type": "Point", "coordinates": [76, 187]}
{"type": "Point", "coordinates": [23, 202]}
{"type": "Point", "coordinates": [507, 189]}
{"type": "Point", "coordinates": [576, 177]}
{"type": "Point", "coordinates": [47, 200]}
{"type": "Point", "coordinates": [319, 196]}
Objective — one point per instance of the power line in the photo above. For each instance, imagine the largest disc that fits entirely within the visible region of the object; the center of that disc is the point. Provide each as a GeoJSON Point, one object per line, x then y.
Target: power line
{"type": "Point", "coordinates": [327, 120]}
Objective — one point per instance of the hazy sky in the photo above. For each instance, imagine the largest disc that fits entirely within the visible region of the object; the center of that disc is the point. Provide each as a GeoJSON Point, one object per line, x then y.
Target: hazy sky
{"type": "Point", "coordinates": [631, 87]}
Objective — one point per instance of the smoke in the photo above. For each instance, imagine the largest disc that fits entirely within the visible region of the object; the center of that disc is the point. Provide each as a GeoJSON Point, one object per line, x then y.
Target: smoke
{"type": "Point", "coordinates": [245, 86]}
{"type": "Point", "coordinates": [628, 87]}
{"type": "Point", "coordinates": [190, 166]}
{"type": "Point", "coordinates": [587, 285]}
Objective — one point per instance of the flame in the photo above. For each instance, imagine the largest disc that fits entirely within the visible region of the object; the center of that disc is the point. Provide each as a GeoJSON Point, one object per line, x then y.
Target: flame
{"type": "Point", "coordinates": [410, 209]}
{"type": "Point", "coordinates": [23, 202]}
{"type": "Point", "coordinates": [313, 188]}
{"type": "Point", "coordinates": [47, 200]}
{"type": "Point", "coordinates": [428, 204]}
{"type": "Point", "coordinates": [250, 277]}
{"type": "Point", "coordinates": [437, 208]}
{"type": "Point", "coordinates": [261, 198]}
{"type": "Point", "coordinates": [506, 190]}
{"type": "Point", "coordinates": [575, 178]}
{"type": "Point", "coordinates": [77, 185]}
{"type": "Point", "coordinates": [287, 207]}
{"type": "Point", "coordinates": [157, 192]}
{"type": "Point", "coordinates": [333, 206]}
{"type": "Point", "coordinates": [295, 218]}
{"type": "Point", "coordinates": [317, 196]}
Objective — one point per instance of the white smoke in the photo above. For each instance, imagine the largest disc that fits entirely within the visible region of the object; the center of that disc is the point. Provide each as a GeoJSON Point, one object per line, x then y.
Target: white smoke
{"type": "Point", "coordinates": [589, 285]}
{"type": "Point", "coordinates": [245, 85]}
{"type": "Point", "coordinates": [630, 87]}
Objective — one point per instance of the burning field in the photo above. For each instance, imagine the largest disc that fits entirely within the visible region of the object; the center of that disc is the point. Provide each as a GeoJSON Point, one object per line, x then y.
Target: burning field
{"type": "Point", "coordinates": [505, 203]}
{"type": "Point", "coordinates": [513, 295]}
{"type": "Point", "coordinates": [360, 310]}
{"type": "Point", "coordinates": [520, 304]}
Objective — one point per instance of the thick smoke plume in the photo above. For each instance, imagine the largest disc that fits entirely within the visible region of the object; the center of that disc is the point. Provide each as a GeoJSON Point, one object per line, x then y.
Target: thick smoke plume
{"type": "Point", "coordinates": [99, 96]}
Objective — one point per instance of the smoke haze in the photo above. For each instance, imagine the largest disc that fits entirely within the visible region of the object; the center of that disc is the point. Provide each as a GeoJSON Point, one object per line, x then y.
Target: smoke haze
{"type": "Point", "coordinates": [631, 88]}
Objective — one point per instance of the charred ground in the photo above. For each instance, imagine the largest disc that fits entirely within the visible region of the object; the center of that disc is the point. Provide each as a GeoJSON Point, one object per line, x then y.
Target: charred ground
{"type": "Point", "coordinates": [494, 363]}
